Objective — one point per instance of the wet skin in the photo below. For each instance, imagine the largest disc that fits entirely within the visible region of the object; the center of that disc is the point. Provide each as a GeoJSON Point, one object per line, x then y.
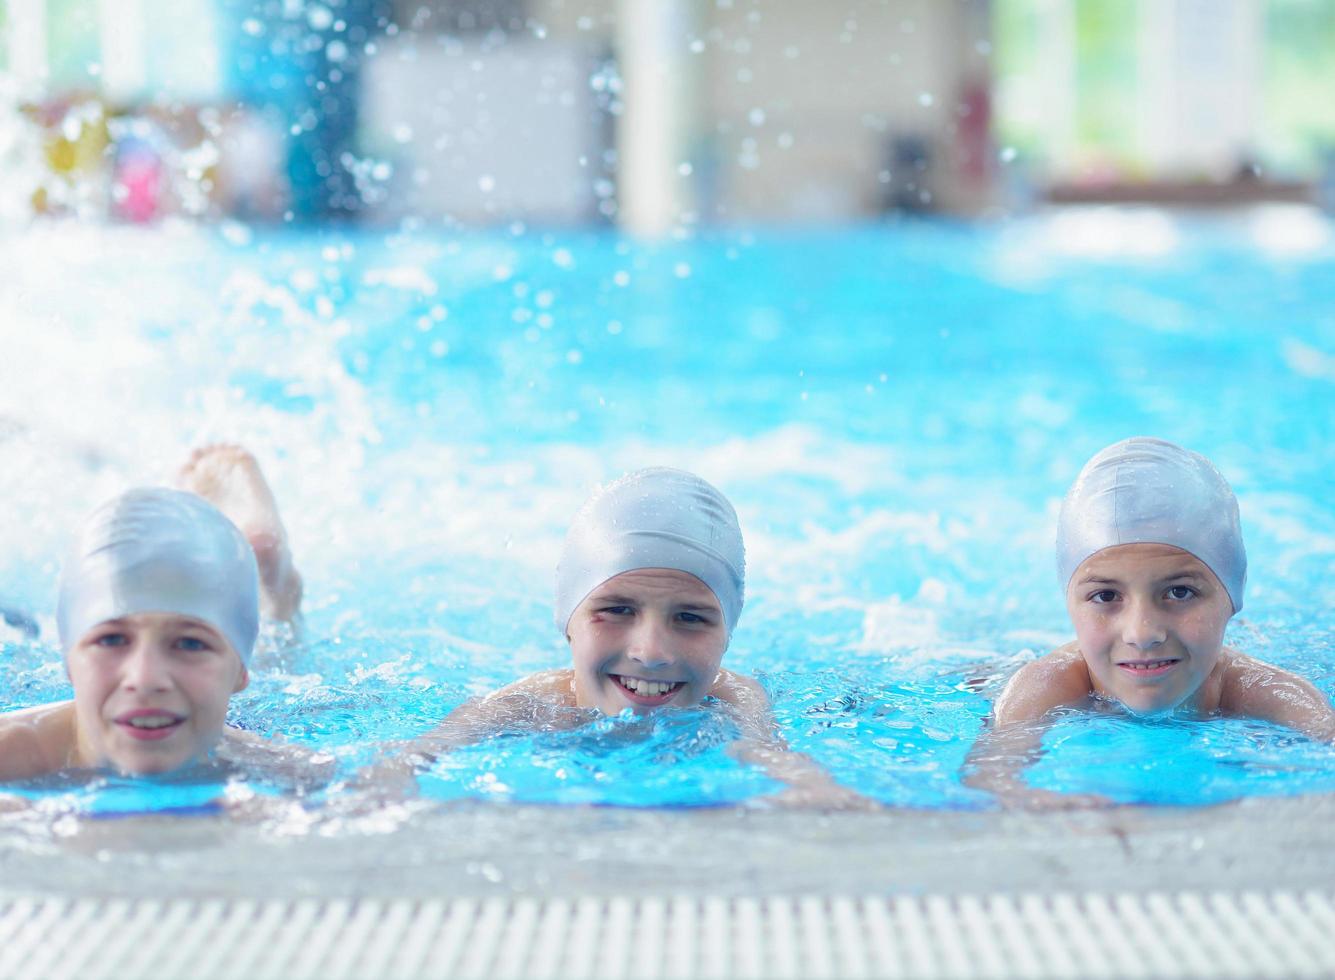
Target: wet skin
{"type": "Point", "coordinates": [1149, 621]}
{"type": "Point", "coordinates": [641, 630]}
{"type": "Point", "coordinates": [150, 692]}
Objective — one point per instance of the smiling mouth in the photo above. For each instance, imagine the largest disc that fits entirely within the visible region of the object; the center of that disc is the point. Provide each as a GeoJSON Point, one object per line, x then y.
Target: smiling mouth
{"type": "Point", "coordinates": [642, 691]}
{"type": "Point", "coordinates": [149, 726]}
{"type": "Point", "coordinates": [1147, 668]}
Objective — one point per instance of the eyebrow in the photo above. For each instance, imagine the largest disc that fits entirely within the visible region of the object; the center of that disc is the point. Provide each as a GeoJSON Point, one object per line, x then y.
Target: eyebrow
{"type": "Point", "coordinates": [1184, 573]}
{"type": "Point", "coordinates": [693, 606]}
{"type": "Point", "coordinates": [612, 597]}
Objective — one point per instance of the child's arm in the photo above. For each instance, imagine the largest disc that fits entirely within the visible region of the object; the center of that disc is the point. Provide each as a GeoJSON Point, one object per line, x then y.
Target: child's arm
{"type": "Point", "coordinates": [36, 741]}
{"type": "Point", "coordinates": [762, 745]}
{"type": "Point", "coordinates": [295, 766]}
{"type": "Point", "coordinates": [1255, 689]}
{"type": "Point", "coordinates": [470, 723]}
{"type": "Point", "coordinates": [512, 706]}
{"type": "Point", "coordinates": [1002, 752]}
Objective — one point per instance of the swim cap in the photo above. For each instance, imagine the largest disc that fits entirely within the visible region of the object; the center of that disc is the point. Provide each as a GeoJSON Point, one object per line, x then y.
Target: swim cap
{"type": "Point", "coordinates": [1144, 490]}
{"type": "Point", "coordinates": [153, 549]}
{"type": "Point", "coordinates": [654, 518]}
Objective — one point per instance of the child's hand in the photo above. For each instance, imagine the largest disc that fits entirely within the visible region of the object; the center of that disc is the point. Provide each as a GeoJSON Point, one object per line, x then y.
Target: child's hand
{"type": "Point", "coordinates": [1029, 798]}
{"type": "Point", "coordinates": [822, 794]}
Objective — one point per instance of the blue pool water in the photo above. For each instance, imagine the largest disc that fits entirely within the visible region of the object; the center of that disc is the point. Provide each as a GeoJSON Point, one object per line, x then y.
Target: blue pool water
{"type": "Point", "coordinates": [895, 411]}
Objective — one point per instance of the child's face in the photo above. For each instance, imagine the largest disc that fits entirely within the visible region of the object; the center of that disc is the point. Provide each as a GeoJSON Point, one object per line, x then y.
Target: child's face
{"type": "Point", "coordinates": [151, 691]}
{"type": "Point", "coordinates": [1149, 619]}
{"type": "Point", "coordinates": [644, 639]}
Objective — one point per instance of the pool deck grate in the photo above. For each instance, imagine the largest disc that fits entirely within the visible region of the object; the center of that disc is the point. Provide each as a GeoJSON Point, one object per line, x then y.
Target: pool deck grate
{"type": "Point", "coordinates": [1184, 934]}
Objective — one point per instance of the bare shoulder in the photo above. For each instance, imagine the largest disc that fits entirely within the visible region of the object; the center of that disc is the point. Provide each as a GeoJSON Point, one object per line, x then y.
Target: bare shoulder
{"type": "Point", "coordinates": [519, 703]}
{"type": "Point", "coordinates": [37, 740]}
{"type": "Point", "coordinates": [557, 686]}
{"type": "Point", "coordinates": [239, 736]}
{"type": "Point", "coordinates": [749, 703]}
{"type": "Point", "coordinates": [737, 688]}
{"type": "Point", "coordinates": [1252, 688]}
{"type": "Point", "coordinates": [295, 765]}
{"type": "Point", "coordinates": [1057, 679]}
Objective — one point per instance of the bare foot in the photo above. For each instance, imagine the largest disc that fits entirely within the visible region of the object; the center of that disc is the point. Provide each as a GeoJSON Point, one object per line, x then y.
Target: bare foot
{"type": "Point", "coordinates": [228, 477]}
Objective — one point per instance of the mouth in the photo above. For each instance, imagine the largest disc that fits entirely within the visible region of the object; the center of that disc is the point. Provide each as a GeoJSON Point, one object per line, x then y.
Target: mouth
{"type": "Point", "coordinates": [645, 692]}
{"type": "Point", "coordinates": [149, 725]}
{"type": "Point", "coordinates": [1147, 668]}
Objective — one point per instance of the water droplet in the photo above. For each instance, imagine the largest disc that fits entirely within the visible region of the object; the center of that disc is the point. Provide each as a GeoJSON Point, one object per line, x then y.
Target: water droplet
{"type": "Point", "coordinates": [1008, 154]}
{"type": "Point", "coordinates": [319, 16]}
{"type": "Point", "coordinates": [925, 98]}
{"type": "Point", "coordinates": [756, 117]}
{"type": "Point", "coordinates": [486, 183]}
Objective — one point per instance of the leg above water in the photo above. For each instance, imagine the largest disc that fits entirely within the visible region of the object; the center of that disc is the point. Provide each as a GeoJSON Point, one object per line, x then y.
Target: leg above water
{"type": "Point", "coordinates": [228, 477]}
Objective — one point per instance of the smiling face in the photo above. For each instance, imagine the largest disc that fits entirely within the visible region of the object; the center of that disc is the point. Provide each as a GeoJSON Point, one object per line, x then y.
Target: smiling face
{"type": "Point", "coordinates": [151, 691]}
{"type": "Point", "coordinates": [1149, 620]}
{"type": "Point", "coordinates": [646, 638]}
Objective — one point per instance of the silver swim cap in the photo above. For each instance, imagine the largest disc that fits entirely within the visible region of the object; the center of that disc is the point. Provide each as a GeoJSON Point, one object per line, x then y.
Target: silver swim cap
{"type": "Point", "coordinates": [1144, 490]}
{"type": "Point", "coordinates": [654, 518]}
{"type": "Point", "coordinates": [153, 549]}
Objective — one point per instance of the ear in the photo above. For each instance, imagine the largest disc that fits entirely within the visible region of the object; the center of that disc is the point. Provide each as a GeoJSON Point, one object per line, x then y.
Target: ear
{"type": "Point", "coordinates": [242, 680]}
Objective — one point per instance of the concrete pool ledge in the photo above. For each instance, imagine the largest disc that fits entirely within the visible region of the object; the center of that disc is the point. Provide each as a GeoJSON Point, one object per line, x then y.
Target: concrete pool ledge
{"type": "Point", "coordinates": [494, 850]}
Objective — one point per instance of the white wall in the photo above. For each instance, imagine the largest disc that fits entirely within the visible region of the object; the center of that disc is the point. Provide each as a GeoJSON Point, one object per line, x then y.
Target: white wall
{"type": "Point", "coordinates": [483, 134]}
{"type": "Point", "coordinates": [783, 109]}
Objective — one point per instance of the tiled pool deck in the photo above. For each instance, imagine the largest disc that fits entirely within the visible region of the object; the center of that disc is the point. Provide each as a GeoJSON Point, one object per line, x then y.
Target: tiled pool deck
{"type": "Point", "coordinates": [1241, 890]}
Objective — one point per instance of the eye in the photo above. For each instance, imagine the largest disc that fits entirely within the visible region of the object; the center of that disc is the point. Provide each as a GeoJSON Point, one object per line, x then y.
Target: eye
{"type": "Point", "coordinates": [1181, 593]}
{"type": "Point", "coordinates": [694, 619]}
{"type": "Point", "coordinates": [110, 640]}
{"type": "Point", "coordinates": [1104, 595]}
{"type": "Point", "coordinates": [193, 644]}
{"type": "Point", "coordinates": [616, 610]}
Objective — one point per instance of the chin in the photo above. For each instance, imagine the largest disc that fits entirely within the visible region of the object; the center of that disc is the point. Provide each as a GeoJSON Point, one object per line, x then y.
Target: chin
{"type": "Point", "coordinates": [148, 767]}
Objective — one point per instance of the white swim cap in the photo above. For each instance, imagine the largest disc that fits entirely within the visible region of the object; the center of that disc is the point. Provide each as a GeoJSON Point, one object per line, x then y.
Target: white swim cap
{"type": "Point", "coordinates": [153, 549]}
{"type": "Point", "coordinates": [654, 518]}
{"type": "Point", "coordinates": [1144, 490]}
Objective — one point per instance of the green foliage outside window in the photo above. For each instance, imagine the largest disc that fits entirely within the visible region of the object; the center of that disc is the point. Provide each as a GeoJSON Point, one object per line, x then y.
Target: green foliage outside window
{"type": "Point", "coordinates": [1091, 47]}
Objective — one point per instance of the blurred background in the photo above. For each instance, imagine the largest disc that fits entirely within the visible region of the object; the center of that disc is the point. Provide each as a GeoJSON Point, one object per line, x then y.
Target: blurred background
{"type": "Point", "coordinates": [656, 115]}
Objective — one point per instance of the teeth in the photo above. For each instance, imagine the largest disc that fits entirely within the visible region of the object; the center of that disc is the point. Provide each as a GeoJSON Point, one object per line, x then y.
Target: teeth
{"type": "Point", "coordinates": [156, 721]}
{"type": "Point", "coordinates": [647, 689]}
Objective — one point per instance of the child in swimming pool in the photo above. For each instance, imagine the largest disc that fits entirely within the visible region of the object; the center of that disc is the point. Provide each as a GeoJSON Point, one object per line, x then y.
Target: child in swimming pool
{"type": "Point", "coordinates": [649, 589]}
{"type": "Point", "coordinates": [158, 613]}
{"type": "Point", "coordinates": [1150, 552]}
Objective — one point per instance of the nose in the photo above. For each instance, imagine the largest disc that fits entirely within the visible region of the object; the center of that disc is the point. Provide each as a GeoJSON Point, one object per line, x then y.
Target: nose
{"type": "Point", "coordinates": [1143, 627]}
{"type": "Point", "coordinates": [145, 668]}
{"type": "Point", "coordinates": [649, 643]}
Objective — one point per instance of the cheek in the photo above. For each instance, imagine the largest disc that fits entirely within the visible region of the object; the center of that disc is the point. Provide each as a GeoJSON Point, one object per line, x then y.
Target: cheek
{"type": "Point", "coordinates": [91, 686]}
{"type": "Point", "coordinates": [585, 651]}
{"type": "Point", "coordinates": [1206, 630]}
{"type": "Point", "coordinates": [708, 654]}
{"type": "Point", "coordinates": [1091, 627]}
